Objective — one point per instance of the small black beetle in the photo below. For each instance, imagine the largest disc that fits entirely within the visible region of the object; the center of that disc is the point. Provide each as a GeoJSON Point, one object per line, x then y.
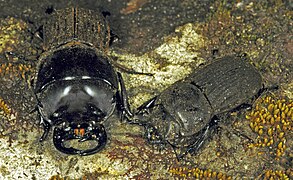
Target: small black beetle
{"type": "Point", "coordinates": [185, 114]}
{"type": "Point", "coordinates": [76, 87]}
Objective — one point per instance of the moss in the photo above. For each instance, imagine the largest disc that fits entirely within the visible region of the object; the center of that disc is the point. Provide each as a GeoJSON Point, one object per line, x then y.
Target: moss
{"type": "Point", "coordinates": [272, 120]}
{"type": "Point", "coordinates": [7, 112]}
{"type": "Point", "coordinates": [13, 71]}
{"type": "Point", "coordinates": [277, 174]}
{"type": "Point", "coordinates": [191, 173]}
{"type": "Point", "coordinates": [7, 117]}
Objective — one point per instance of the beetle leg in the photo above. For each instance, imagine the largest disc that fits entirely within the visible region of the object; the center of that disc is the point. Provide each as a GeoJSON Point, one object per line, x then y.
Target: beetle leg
{"type": "Point", "coordinates": [200, 138]}
{"type": "Point", "coordinates": [154, 138]}
{"type": "Point", "coordinates": [43, 121]}
{"type": "Point", "coordinates": [128, 70]}
{"type": "Point", "coordinates": [46, 127]}
{"type": "Point", "coordinates": [124, 99]}
{"type": "Point", "coordinates": [144, 108]}
{"type": "Point", "coordinates": [245, 106]}
{"type": "Point", "coordinates": [152, 135]}
{"type": "Point", "coordinates": [142, 111]}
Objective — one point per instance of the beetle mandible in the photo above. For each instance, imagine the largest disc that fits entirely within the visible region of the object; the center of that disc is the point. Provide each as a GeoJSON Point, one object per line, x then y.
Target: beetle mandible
{"type": "Point", "coordinates": [185, 114]}
{"type": "Point", "coordinates": [76, 87]}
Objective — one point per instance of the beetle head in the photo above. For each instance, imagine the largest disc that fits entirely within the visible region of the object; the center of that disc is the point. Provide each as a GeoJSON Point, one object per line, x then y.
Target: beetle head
{"type": "Point", "coordinates": [81, 126]}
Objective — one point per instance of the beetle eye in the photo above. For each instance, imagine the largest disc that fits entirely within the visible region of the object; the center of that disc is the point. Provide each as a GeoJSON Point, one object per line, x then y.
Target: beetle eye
{"type": "Point", "coordinates": [56, 114]}
{"type": "Point", "coordinates": [92, 109]}
{"type": "Point", "coordinates": [99, 113]}
{"type": "Point", "coordinates": [67, 128]}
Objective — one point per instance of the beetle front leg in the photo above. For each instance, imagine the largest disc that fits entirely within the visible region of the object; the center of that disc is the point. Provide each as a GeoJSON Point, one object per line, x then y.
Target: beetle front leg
{"type": "Point", "coordinates": [141, 115]}
{"type": "Point", "coordinates": [123, 99]}
{"type": "Point", "coordinates": [46, 127]}
{"type": "Point", "coordinates": [199, 139]}
{"type": "Point", "coordinates": [152, 135]}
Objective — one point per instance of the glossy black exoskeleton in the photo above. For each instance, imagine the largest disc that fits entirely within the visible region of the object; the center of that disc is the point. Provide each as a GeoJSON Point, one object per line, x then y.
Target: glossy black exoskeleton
{"type": "Point", "coordinates": [76, 87]}
{"type": "Point", "coordinates": [185, 114]}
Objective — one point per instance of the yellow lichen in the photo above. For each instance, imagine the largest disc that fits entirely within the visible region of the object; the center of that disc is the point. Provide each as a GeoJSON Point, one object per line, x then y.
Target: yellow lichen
{"type": "Point", "coordinates": [197, 173]}
{"type": "Point", "coordinates": [271, 119]}
{"type": "Point", "coordinates": [9, 33]}
{"type": "Point", "coordinates": [11, 37]}
{"type": "Point", "coordinates": [15, 70]}
{"type": "Point", "coordinates": [5, 108]}
{"type": "Point", "coordinates": [57, 177]}
{"type": "Point", "coordinates": [277, 174]}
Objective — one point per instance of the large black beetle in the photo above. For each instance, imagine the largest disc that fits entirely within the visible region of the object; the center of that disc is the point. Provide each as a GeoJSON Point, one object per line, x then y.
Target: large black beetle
{"type": "Point", "coordinates": [185, 114]}
{"type": "Point", "coordinates": [76, 87]}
